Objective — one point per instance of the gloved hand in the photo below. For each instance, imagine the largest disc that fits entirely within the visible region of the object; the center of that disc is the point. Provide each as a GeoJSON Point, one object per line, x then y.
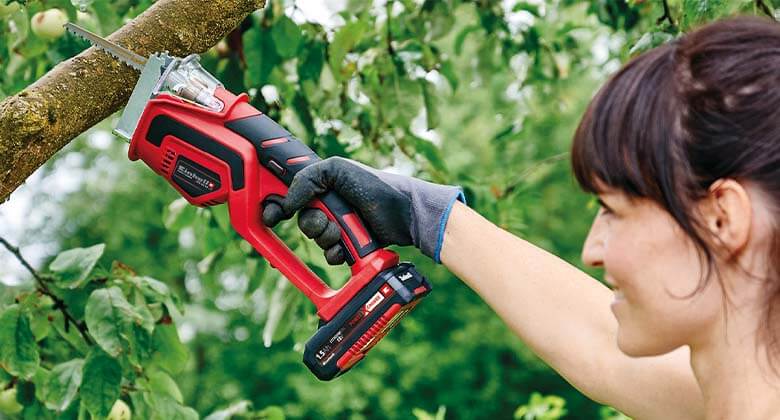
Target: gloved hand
{"type": "Point", "coordinates": [398, 210]}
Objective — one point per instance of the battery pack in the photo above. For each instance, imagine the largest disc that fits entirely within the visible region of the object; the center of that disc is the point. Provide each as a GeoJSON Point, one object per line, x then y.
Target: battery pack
{"type": "Point", "coordinates": [344, 340]}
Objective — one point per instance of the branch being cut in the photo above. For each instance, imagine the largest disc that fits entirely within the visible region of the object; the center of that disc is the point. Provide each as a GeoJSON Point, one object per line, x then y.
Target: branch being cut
{"type": "Point", "coordinates": [84, 90]}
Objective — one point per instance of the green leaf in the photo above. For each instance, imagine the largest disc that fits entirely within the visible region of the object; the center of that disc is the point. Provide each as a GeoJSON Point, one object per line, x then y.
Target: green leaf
{"type": "Point", "coordinates": [310, 66]}
{"type": "Point", "coordinates": [164, 407]}
{"type": "Point", "coordinates": [40, 326]}
{"type": "Point", "coordinates": [448, 71]}
{"type": "Point", "coordinates": [222, 216]}
{"type": "Point", "coordinates": [431, 108]}
{"type": "Point", "coordinates": [101, 381]}
{"type": "Point", "coordinates": [650, 40]}
{"type": "Point", "coordinates": [240, 407]}
{"type": "Point", "coordinates": [344, 40]}
{"type": "Point", "coordinates": [287, 37]}
{"type": "Point", "coordinates": [169, 353]}
{"type": "Point", "coordinates": [461, 37]}
{"type": "Point", "coordinates": [281, 312]}
{"type": "Point", "coordinates": [107, 313]}
{"type": "Point", "coordinates": [161, 383]}
{"type": "Point", "coordinates": [74, 265]}
{"type": "Point", "coordinates": [152, 289]}
{"type": "Point", "coordinates": [699, 11]}
{"type": "Point", "coordinates": [18, 350]}
{"type": "Point", "coordinates": [139, 344]}
{"type": "Point", "coordinates": [260, 55]}
{"type": "Point", "coordinates": [63, 383]}
{"type": "Point", "coordinates": [72, 336]}
{"type": "Point", "coordinates": [178, 214]}
{"type": "Point", "coordinates": [430, 152]}
{"type": "Point", "coordinates": [272, 412]}
{"type": "Point", "coordinates": [528, 7]}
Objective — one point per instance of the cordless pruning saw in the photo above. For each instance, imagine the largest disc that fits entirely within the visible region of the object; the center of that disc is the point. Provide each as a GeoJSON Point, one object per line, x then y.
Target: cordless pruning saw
{"type": "Point", "coordinates": [214, 147]}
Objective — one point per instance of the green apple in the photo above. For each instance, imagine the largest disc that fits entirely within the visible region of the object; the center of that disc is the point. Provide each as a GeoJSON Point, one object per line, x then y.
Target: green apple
{"type": "Point", "coordinates": [120, 411]}
{"type": "Point", "coordinates": [49, 23]}
{"type": "Point", "coordinates": [8, 403]}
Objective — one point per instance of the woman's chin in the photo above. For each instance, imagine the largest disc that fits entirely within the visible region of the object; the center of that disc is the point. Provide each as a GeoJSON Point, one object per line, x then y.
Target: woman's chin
{"type": "Point", "coordinates": [640, 346]}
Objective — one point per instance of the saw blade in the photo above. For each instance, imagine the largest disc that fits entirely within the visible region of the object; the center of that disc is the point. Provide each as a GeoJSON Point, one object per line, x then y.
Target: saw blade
{"type": "Point", "coordinates": [120, 53]}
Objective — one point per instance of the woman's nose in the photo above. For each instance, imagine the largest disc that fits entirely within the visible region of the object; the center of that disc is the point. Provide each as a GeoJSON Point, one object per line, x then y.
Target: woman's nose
{"type": "Point", "coordinates": [593, 248]}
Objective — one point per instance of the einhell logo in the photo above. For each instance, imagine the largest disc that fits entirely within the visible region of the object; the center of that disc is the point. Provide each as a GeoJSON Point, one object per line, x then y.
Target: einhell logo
{"type": "Point", "coordinates": [405, 276]}
{"type": "Point", "coordinates": [194, 177]}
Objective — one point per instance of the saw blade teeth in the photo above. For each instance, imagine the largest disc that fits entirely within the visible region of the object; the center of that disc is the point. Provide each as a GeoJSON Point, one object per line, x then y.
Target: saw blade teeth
{"type": "Point", "coordinates": [118, 52]}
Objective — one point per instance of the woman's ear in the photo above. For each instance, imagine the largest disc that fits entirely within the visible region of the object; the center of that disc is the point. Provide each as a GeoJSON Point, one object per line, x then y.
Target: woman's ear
{"type": "Point", "coordinates": [727, 213]}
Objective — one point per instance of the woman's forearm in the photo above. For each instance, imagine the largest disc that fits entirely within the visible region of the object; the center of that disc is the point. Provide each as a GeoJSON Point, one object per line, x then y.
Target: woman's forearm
{"type": "Point", "coordinates": [563, 315]}
{"type": "Point", "coordinates": [560, 312]}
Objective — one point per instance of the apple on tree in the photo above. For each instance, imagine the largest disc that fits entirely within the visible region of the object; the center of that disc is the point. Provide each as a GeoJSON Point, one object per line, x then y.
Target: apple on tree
{"type": "Point", "coordinates": [120, 411]}
{"type": "Point", "coordinates": [8, 403]}
{"type": "Point", "coordinates": [48, 24]}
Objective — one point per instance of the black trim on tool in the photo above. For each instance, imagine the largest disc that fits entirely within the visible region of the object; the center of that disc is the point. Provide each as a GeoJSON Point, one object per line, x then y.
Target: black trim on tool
{"type": "Point", "coordinates": [163, 125]}
{"type": "Point", "coordinates": [258, 128]}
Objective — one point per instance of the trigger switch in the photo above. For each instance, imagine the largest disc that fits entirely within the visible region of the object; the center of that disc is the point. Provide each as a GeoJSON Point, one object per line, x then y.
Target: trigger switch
{"type": "Point", "coordinates": [276, 168]}
{"type": "Point", "coordinates": [347, 256]}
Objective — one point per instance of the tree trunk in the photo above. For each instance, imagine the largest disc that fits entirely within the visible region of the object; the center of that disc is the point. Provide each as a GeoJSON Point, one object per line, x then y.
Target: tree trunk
{"type": "Point", "coordinates": [82, 91]}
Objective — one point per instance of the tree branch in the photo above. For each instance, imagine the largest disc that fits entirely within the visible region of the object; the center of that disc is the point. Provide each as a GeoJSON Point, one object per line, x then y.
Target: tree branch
{"type": "Point", "coordinates": [43, 288]}
{"type": "Point", "coordinates": [667, 15]}
{"type": "Point", "coordinates": [765, 8]}
{"type": "Point", "coordinates": [80, 92]}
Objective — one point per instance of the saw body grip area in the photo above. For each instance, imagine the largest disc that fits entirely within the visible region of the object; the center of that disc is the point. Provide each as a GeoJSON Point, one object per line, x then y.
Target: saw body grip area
{"type": "Point", "coordinates": [284, 155]}
{"type": "Point", "coordinates": [241, 156]}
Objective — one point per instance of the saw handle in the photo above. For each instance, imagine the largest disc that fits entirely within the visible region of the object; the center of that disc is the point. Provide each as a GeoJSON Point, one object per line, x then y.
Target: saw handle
{"type": "Point", "coordinates": [284, 155]}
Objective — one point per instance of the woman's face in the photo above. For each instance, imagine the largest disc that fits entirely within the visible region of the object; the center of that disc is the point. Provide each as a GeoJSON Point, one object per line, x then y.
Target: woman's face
{"type": "Point", "coordinates": [651, 265]}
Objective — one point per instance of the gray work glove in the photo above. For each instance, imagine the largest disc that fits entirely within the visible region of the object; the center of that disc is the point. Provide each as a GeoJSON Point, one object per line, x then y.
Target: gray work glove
{"type": "Point", "coordinates": [398, 210]}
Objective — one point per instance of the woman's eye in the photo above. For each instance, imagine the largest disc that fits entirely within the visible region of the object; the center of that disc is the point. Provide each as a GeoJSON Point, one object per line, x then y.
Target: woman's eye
{"type": "Point", "coordinates": [604, 209]}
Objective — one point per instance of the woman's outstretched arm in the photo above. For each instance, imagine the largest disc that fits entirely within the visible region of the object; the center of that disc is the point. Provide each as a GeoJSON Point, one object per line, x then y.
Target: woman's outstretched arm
{"type": "Point", "coordinates": [563, 315]}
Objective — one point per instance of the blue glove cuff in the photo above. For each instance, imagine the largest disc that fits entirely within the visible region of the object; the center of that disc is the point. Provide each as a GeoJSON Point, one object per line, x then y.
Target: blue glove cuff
{"type": "Point", "coordinates": [443, 225]}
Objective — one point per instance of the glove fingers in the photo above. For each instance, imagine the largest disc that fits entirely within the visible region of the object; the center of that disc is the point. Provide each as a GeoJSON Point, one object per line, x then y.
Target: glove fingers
{"type": "Point", "coordinates": [335, 255]}
{"type": "Point", "coordinates": [306, 185]}
{"type": "Point", "coordinates": [272, 214]}
{"type": "Point", "coordinates": [329, 237]}
{"type": "Point", "coordinates": [312, 222]}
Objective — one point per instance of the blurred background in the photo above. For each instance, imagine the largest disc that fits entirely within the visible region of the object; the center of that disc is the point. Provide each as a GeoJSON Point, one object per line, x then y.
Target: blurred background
{"type": "Point", "coordinates": [484, 94]}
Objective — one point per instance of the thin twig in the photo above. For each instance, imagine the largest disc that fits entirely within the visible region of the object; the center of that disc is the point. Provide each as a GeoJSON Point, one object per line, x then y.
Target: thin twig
{"type": "Point", "coordinates": [521, 177]}
{"type": "Point", "coordinates": [43, 288]}
{"type": "Point", "coordinates": [389, 10]}
{"type": "Point", "coordinates": [765, 8]}
{"type": "Point", "coordinates": [667, 14]}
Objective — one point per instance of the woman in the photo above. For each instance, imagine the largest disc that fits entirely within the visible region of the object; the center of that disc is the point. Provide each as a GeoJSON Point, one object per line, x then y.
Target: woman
{"type": "Point", "coordinates": [682, 147]}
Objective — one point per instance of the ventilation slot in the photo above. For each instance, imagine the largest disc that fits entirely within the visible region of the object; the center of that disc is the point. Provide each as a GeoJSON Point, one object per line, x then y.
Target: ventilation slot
{"type": "Point", "coordinates": [167, 161]}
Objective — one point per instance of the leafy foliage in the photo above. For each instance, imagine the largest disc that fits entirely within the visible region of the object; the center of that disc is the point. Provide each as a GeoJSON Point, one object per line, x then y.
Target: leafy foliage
{"type": "Point", "coordinates": [445, 90]}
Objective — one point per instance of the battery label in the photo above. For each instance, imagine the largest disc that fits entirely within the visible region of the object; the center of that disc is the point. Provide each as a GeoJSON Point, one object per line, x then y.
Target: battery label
{"type": "Point", "coordinates": [326, 352]}
{"type": "Point", "coordinates": [375, 300]}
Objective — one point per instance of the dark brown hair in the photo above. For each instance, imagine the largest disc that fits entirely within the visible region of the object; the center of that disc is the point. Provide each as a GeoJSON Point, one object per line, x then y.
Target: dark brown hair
{"type": "Point", "coordinates": [679, 117]}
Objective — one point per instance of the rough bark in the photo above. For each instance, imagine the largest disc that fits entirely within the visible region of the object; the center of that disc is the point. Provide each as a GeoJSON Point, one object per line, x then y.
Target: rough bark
{"type": "Point", "coordinates": [82, 91]}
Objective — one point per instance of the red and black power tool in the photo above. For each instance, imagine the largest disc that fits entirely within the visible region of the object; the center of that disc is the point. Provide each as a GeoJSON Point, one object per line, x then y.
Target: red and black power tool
{"type": "Point", "coordinates": [214, 147]}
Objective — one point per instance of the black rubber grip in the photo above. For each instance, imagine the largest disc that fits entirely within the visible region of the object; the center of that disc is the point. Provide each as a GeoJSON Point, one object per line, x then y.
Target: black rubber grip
{"type": "Point", "coordinates": [284, 155]}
